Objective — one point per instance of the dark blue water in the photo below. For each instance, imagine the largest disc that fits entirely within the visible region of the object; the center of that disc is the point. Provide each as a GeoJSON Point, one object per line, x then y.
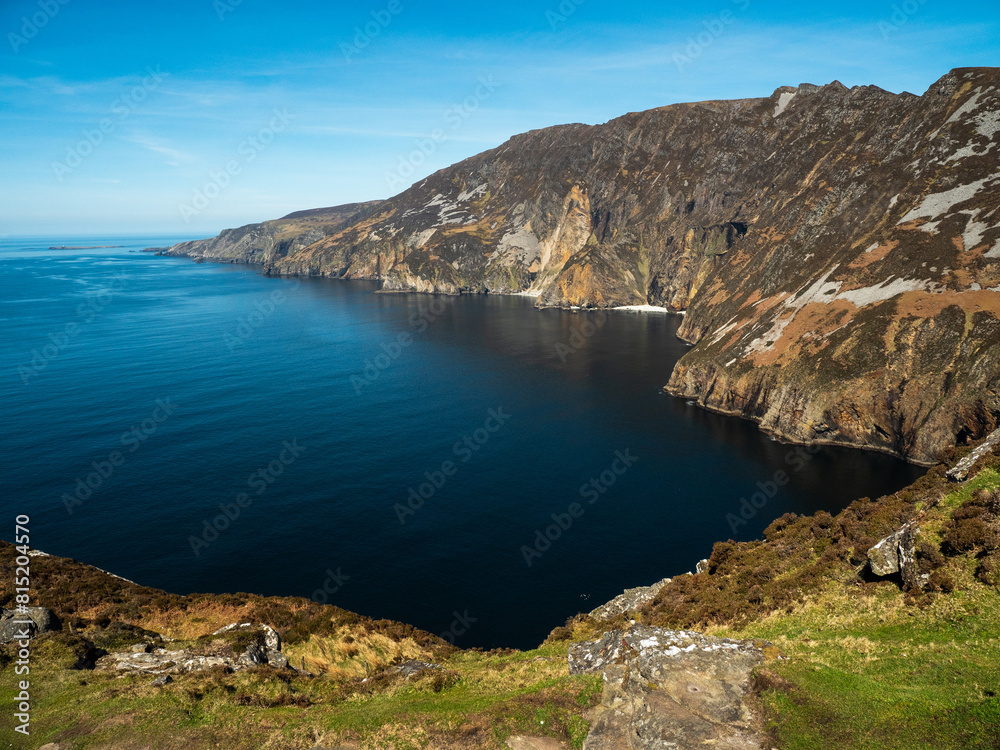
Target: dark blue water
{"type": "Point", "coordinates": [308, 409]}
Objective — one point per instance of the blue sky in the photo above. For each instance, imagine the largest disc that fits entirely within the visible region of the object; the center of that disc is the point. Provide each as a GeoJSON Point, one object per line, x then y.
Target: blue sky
{"type": "Point", "coordinates": [186, 118]}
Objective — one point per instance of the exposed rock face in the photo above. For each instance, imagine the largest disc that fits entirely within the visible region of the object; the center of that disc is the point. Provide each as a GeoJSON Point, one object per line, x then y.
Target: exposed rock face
{"type": "Point", "coordinates": [628, 601]}
{"type": "Point", "coordinates": [960, 471]}
{"type": "Point", "coordinates": [252, 646]}
{"type": "Point", "coordinates": [33, 621]}
{"type": "Point", "coordinates": [837, 250]}
{"type": "Point", "coordinates": [665, 688]}
{"type": "Point", "coordinates": [269, 241]}
{"type": "Point", "coordinates": [897, 553]}
{"type": "Point", "coordinates": [414, 666]}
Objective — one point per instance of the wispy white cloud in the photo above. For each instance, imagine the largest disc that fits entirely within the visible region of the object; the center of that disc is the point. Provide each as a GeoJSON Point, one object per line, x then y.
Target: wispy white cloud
{"type": "Point", "coordinates": [174, 157]}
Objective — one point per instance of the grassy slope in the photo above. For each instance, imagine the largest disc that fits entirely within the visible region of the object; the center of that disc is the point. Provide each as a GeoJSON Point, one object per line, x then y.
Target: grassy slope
{"type": "Point", "coordinates": [869, 665]}
{"type": "Point", "coordinates": [478, 702]}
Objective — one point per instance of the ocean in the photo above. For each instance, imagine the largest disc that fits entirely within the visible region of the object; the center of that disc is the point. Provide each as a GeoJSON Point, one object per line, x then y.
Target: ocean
{"type": "Point", "coordinates": [470, 465]}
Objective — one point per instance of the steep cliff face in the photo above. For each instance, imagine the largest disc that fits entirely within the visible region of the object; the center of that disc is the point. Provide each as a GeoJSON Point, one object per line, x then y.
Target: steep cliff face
{"type": "Point", "coordinates": [837, 250]}
{"type": "Point", "coordinates": [269, 241]}
{"type": "Point", "coordinates": [862, 307]}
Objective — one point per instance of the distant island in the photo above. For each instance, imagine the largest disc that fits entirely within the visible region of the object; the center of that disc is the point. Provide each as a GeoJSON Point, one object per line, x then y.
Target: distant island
{"type": "Point", "coordinates": [88, 247]}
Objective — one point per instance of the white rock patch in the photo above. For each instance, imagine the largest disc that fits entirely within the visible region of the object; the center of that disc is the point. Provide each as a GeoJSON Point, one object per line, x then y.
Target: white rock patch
{"type": "Point", "coordinates": [795, 303]}
{"type": "Point", "coordinates": [472, 193]}
{"type": "Point", "coordinates": [886, 290]}
{"type": "Point", "coordinates": [829, 291]}
{"type": "Point", "coordinates": [419, 239]}
{"type": "Point", "coordinates": [937, 204]}
{"type": "Point", "coordinates": [968, 108]}
{"type": "Point", "coordinates": [642, 308]}
{"type": "Point", "coordinates": [974, 230]}
{"type": "Point", "coordinates": [784, 100]}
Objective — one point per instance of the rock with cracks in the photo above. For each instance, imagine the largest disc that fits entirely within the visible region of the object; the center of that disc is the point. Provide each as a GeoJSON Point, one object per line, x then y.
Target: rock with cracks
{"type": "Point", "coordinates": [32, 621]}
{"type": "Point", "coordinates": [669, 689]}
{"type": "Point", "coordinates": [897, 554]}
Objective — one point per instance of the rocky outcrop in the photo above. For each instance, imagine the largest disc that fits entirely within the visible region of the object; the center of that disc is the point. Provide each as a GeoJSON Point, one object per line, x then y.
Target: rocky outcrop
{"type": "Point", "coordinates": [960, 471]}
{"type": "Point", "coordinates": [628, 601]}
{"type": "Point", "coordinates": [897, 553]}
{"type": "Point", "coordinates": [667, 688]}
{"type": "Point", "coordinates": [18, 625]}
{"type": "Point", "coordinates": [268, 241]}
{"type": "Point", "coordinates": [234, 647]}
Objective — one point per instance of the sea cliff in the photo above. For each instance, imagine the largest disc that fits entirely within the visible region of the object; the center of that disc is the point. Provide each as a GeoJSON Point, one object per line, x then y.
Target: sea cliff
{"type": "Point", "coordinates": [836, 250]}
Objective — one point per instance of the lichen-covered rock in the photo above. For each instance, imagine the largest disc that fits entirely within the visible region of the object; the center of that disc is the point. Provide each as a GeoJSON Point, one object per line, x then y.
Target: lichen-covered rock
{"type": "Point", "coordinates": [163, 661]}
{"type": "Point", "coordinates": [237, 646]}
{"type": "Point", "coordinates": [897, 553]}
{"type": "Point", "coordinates": [960, 471]}
{"type": "Point", "coordinates": [665, 688]}
{"type": "Point", "coordinates": [272, 641]}
{"type": "Point", "coordinates": [884, 556]}
{"type": "Point", "coordinates": [628, 601]}
{"type": "Point", "coordinates": [15, 625]}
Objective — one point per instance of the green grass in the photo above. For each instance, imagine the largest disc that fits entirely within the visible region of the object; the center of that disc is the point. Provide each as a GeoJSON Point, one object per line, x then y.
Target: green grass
{"type": "Point", "coordinates": [871, 669]}
{"type": "Point", "coordinates": [478, 701]}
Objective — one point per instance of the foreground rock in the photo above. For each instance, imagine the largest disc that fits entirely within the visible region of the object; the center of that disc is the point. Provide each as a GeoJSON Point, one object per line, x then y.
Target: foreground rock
{"type": "Point", "coordinates": [33, 621]}
{"type": "Point", "coordinates": [238, 646]}
{"type": "Point", "coordinates": [897, 554]}
{"type": "Point", "coordinates": [669, 689]}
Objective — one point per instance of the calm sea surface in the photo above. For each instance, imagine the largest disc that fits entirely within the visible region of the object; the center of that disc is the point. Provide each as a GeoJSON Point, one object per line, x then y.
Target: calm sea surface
{"type": "Point", "coordinates": [199, 427]}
